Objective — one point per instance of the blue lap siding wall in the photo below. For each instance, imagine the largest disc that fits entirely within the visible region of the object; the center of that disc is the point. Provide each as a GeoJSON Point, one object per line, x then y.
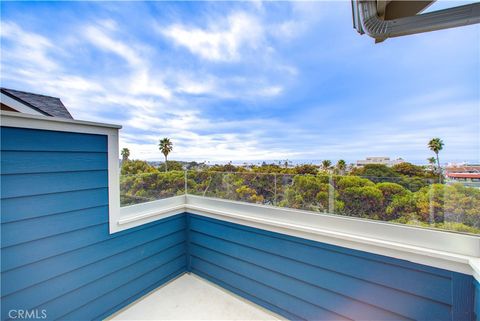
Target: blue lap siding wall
{"type": "Point", "coordinates": [477, 300]}
{"type": "Point", "coordinates": [307, 280]}
{"type": "Point", "coordinates": [57, 253]}
{"type": "Point", "coordinates": [58, 256]}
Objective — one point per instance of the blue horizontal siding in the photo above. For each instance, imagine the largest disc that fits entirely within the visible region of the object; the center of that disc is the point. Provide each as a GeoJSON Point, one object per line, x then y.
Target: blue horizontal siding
{"type": "Point", "coordinates": [379, 270]}
{"type": "Point", "coordinates": [25, 139]}
{"type": "Point", "coordinates": [30, 274]}
{"type": "Point", "coordinates": [129, 291]}
{"type": "Point", "coordinates": [463, 297]}
{"type": "Point", "coordinates": [14, 209]}
{"type": "Point", "coordinates": [139, 288]}
{"type": "Point", "coordinates": [27, 253]}
{"type": "Point", "coordinates": [247, 294]}
{"type": "Point", "coordinates": [27, 230]}
{"type": "Point", "coordinates": [355, 285]}
{"type": "Point", "coordinates": [57, 252]}
{"type": "Point", "coordinates": [314, 285]}
{"type": "Point", "coordinates": [477, 300]}
{"type": "Point", "coordinates": [46, 183]}
{"type": "Point", "coordinates": [283, 300]}
{"type": "Point", "coordinates": [322, 297]}
{"type": "Point", "coordinates": [19, 162]}
{"type": "Point", "coordinates": [69, 291]}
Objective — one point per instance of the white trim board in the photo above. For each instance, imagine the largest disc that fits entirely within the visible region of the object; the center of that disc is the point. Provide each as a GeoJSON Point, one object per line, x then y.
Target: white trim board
{"type": "Point", "coordinates": [139, 214]}
{"type": "Point", "coordinates": [18, 120]}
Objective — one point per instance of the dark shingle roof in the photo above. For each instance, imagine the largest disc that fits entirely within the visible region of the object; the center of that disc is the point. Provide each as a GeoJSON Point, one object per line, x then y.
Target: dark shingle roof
{"type": "Point", "coordinates": [51, 106]}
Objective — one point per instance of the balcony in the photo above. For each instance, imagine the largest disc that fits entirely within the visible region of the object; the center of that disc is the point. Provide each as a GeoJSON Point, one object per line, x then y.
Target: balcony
{"type": "Point", "coordinates": [71, 252]}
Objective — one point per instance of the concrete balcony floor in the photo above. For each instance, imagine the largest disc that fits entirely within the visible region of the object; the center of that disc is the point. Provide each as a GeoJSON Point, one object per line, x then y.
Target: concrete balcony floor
{"type": "Point", "coordinates": [190, 297]}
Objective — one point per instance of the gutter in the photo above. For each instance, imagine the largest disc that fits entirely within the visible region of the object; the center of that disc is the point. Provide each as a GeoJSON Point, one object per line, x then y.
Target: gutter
{"type": "Point", "coordinates": [366, 19]}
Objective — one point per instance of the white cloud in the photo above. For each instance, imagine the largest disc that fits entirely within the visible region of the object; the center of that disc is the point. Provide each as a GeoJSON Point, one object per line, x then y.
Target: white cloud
{"type": "Point", "coordinates": [189, 83]}
{"type": "Point", "coordinates": [27, 48]}
{"type": "Point", "coordinates": [141, 81]}
{"type": "Point", "coordinates": [153, 94]}
{"type": "Point", "coordinates": [220, 41]}
{"type": "Point", "coordinates": [140, 99]}
{"type": "Point", "coordinates": [269, 91]}
{"type": "Point", "coordinates": [103, 41]}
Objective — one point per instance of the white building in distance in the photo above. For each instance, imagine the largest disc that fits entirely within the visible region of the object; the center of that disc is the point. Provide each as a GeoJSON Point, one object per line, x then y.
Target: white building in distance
{"type": "Point", "coordinates": [379, 161]}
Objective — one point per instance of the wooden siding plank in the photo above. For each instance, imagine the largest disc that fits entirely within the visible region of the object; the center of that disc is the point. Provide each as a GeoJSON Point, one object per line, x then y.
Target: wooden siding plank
{"type": "Point", "coordinates": [125, 291]}
{"type": "Point", "coordinates": [27, 253]}
{"type": "Point", "coordinates": [157, 265]}
{"type": "Point", "coordinates": [140, 287]}
{"type": "Point", "coordinates": [288, 315]}
{"type": "Point", "coordinates": [19, 279]}
{"type": "Point", "coordinates": [476, 304]}
{"type": "Point", "coordinates": [333, 248]}
{"type": "Point", "coordinates": [356, 290]}
{"type": "Point", "coordinates": [27, 207]}
{"type": "Point", "coordinates": [282, 300]}
{"type": "Point", "coordinates": [47, 140]}
{"type": "Point", "coordinates": [21, 162]}
{"type": "Point", "coordinates": [307, 292]}
{"type": "Point", "coordinates": [463, 294]}
{"type": "Point", "coordinates": [412, 281]}
{"type": "Point", "coordinates": [45, 183]}
{"type": "Point", "coordinates": [37, 228]}
{"type": "Point", "coordinates": [91, 281]}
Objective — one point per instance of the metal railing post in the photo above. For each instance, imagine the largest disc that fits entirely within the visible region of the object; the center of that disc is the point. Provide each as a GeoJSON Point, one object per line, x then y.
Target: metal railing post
{"type": "Point", "coordinates": [185, 181]}
{"type": "Point", "coordinates": [431, 205]}
{"type": "Point", "coordinates": [275, 189]}
{"type": "Point", "coordinates": [331, 195]}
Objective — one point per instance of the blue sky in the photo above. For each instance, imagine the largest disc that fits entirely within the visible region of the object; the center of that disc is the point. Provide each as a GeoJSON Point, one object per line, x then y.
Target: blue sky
{"type": "Point", "coordinates": [248, 80]}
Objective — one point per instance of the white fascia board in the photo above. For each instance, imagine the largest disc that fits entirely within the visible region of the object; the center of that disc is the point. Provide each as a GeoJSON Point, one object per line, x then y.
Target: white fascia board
{"type": "Point", "coordinates": [418, 245]}
{"type": "Point", "coordinates": [43, 121]}
{"type": "Point", "coordinates": [139, 214]}
{"type": "Point", "coordinates": [18, 120]}
{"type": "Point", "coordinates": [18, 106]}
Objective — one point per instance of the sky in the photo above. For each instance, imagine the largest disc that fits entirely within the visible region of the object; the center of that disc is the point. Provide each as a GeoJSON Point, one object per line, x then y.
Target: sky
{"type": "Point", "coordinates": [229, 81]}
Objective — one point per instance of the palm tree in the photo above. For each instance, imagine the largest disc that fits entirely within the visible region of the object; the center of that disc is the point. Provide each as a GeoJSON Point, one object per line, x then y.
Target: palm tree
{"type": "Point", "coordinates": [326, 164]}
{"type": "Point", "coordinates": [341, 166]}
{"type": "Point", "coordinates": [165, 146]}
{"type": "Point", "coordinates": [432, 161]}
{"type": "Point", "coordinates": [436, 145]}
{"type": "Point", "coordinates": [125, 154]}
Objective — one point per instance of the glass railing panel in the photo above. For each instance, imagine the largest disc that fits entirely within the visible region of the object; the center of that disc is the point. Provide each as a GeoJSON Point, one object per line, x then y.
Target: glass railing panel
{"type": "Point", "coordinates": [239, 186]}
{"type": "Point", "coordinates": [459, 208]}
{"type": "Point", "coordinates": [305, 192]}
{"type": "Point", "coordinates": [147, 187]}
{"type": "Point", "coordinates": [378, 198]}
{"type": "Point", "coordinates": [401, 200]}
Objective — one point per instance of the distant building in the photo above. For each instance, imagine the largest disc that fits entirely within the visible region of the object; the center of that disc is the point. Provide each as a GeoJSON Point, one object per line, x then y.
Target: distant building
{"type": "Point", "coordinates": [379, 161]}
{"type": "Point", "coordinates": [30, 103]}
{"type": "Point", "coordinates": [467, 174]}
